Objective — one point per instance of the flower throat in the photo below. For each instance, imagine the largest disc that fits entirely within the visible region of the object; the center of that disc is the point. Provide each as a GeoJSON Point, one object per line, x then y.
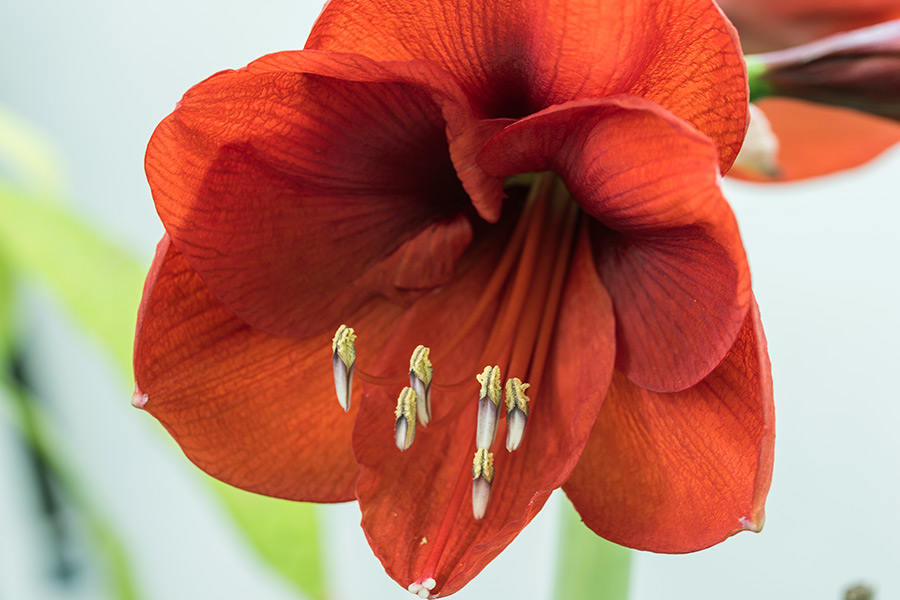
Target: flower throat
{"type": "Point", "coordinates": [526, 284]}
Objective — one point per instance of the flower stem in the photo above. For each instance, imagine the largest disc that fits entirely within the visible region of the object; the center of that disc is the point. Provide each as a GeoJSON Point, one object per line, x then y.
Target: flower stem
{"type": "Point", "coordinates": [589, 566]}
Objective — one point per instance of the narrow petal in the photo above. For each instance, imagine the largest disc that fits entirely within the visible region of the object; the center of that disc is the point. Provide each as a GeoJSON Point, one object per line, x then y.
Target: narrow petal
{"type": "Point", "coordinates": [520, 56]}
{"type": "Point", "coordinates": [681, 472]}
{"type": "Point", "coordinates": [816, 140]}
{"type": "Point", "coordinates": [297, 197]}
{"type": "Point", "coordinates": [417, 505]}
{"type": "Point", "coordinates": [254, 410]}
{"type": "Point", "coordinates": [666, 242]}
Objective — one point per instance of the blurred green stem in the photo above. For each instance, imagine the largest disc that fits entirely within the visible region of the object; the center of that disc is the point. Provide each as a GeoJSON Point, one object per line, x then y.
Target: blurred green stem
{"type": "Point", "coordinates": [588, 566]}
{"type": "Point", "coordinates": [27, 417]}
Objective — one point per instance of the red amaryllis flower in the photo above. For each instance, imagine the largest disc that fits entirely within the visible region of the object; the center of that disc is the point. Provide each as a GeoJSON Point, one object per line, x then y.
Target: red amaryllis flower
{"type": "Point", "coordinates": [813, 140]}
{"type": "Point", "coordinates": [361, 181]}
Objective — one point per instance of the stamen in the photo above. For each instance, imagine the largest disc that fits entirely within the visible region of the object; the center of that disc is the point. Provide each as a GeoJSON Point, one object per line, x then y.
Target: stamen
{"type": "Point", "coordinates": [482, 481]}
{"type": "Point", "coordinates": [554, 296]}
{"type": "Point", "coordinates": [488, 407]}
{"type": "Point", "coordinates": [343, 357]}
{"type": "Point", "coordinates": [516, 412]}
{"type": "Point", "coordinates": [405, 419]}
{"type": "Point", "coordinates": [420, 374]}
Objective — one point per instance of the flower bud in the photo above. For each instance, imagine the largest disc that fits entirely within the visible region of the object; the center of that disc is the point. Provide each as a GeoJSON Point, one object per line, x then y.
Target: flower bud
{"type": "Point", "coordinates": [858, 69]}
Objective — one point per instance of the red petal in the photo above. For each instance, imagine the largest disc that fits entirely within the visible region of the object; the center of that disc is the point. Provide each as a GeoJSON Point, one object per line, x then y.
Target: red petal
{"type": "Point", "coordinates": [669, 251]}
{"type": "Point", "coordinates": [249, 408]}
{"type": "Point", "coordinates": [288, 192]}
{"type": "Point", "coordinates": [515, 58]}
{"type": "Point", "coordinates": [407, 499]}
{"type": "Point", "coordinates": [817, 140]}
{"type": "Point", "coordinates": [681, 472]}
{"type": "Point", "coordinates": [772, 24]}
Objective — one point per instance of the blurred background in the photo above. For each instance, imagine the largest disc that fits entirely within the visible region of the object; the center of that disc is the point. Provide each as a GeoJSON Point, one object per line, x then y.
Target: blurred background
{"type": "Point", "coordinates": [97, 502]}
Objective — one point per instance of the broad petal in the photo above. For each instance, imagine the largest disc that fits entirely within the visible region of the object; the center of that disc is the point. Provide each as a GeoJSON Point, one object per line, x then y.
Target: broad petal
{"type": "Point", "coordinates": [517, 57]}
{"type": "Point", "coordinates": [417, 505]}
{"type": "Point", "coordinates": [816, 140]}
{"type": "Point", "coordinates": [292, 194]}
{"type": "Point", "coordinates": [667, 244]}
{"type": "Point", "coordinates": [254, 410]}
{"type": "Point", "coordinates": [681, 472]}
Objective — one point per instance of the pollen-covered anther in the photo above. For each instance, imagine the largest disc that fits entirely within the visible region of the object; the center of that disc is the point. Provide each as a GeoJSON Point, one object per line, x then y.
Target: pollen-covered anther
{"type": "Point", "coordinates": [516, 412]}
{"type": "Point", "coordinates": [482, 481]}
{"type": "Point", "coordinates": [488, 407]}
{"type": "Point", "coordinates": [420, 374]}
{"type": "Point", "coordinates": [343, 357]}
{"type": "Point", "coordinates": [405, 419]}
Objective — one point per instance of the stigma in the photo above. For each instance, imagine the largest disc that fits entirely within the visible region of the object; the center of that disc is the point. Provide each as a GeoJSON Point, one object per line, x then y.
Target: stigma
{"type": "Point", "coordinates": [343, 358]}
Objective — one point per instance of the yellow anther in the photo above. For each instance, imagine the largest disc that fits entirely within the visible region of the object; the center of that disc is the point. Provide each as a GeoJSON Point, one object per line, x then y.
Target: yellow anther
{"type": "Point", "coordinates": [420, 365]}
{"type": "Point", "coordinates": [343, 345]}
{"type": "Point", "coordinates": [515, 395]}
{"type": "Point", "coordinates": [490, 384]}
{"type": "Point", "coordinates": [483, 465]}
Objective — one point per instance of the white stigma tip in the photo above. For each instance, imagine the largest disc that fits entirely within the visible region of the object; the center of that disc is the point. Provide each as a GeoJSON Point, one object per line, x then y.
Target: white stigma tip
{"type": "Point", "coordinates": [423, 593]}
{"type": "Point", "coordinates": [429, 583]}
{"type": "Point", "coordinates": [515, 428]}
{"type": "Point", "coordinates": [138, 400]}
{"type": "Point", "coordinates": [414, 587]}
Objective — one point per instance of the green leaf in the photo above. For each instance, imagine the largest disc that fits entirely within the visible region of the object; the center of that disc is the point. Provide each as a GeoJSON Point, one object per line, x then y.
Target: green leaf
{"type": "Point", "coordinates": [93, 278]}
{"type": "Point", "coordinates": [6, 310]}
{"type": "Point", "coordinates": [285, 533]}
{"type": "Point", "coordinates": [589, 566]}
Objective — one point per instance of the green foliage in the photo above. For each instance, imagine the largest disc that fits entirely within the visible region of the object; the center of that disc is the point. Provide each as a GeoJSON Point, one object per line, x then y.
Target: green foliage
{"type": "Point", "coordinates": [589, 566]}
{"type": "Point", "coordinates": [6, 310]}
{"type": "Point", "coordinates": [285, 533]}
{"type": "Point", "coordinates": [100, 285]}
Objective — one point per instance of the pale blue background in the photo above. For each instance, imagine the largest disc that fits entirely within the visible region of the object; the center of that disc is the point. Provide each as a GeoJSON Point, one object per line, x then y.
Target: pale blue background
{"type": "Point", "coordinates": [96, 76]}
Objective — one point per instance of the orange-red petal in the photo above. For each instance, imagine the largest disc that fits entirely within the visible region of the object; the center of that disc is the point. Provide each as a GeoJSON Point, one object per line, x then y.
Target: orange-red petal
{"type": "Point", "coordinates": [417, 505]}
{"type": "Point", "coordinates": [681, 472]}
{"type": "Point", "coordinates": [249, 408]}
{"type": "Point", "coordinates": [292, 195]}
{"type": "Point", "coordinates": [817, 140]}
{"type": "Point", "coordinates": [668, 250]}
{"type": "Point", "coordinates": [516, 57]}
